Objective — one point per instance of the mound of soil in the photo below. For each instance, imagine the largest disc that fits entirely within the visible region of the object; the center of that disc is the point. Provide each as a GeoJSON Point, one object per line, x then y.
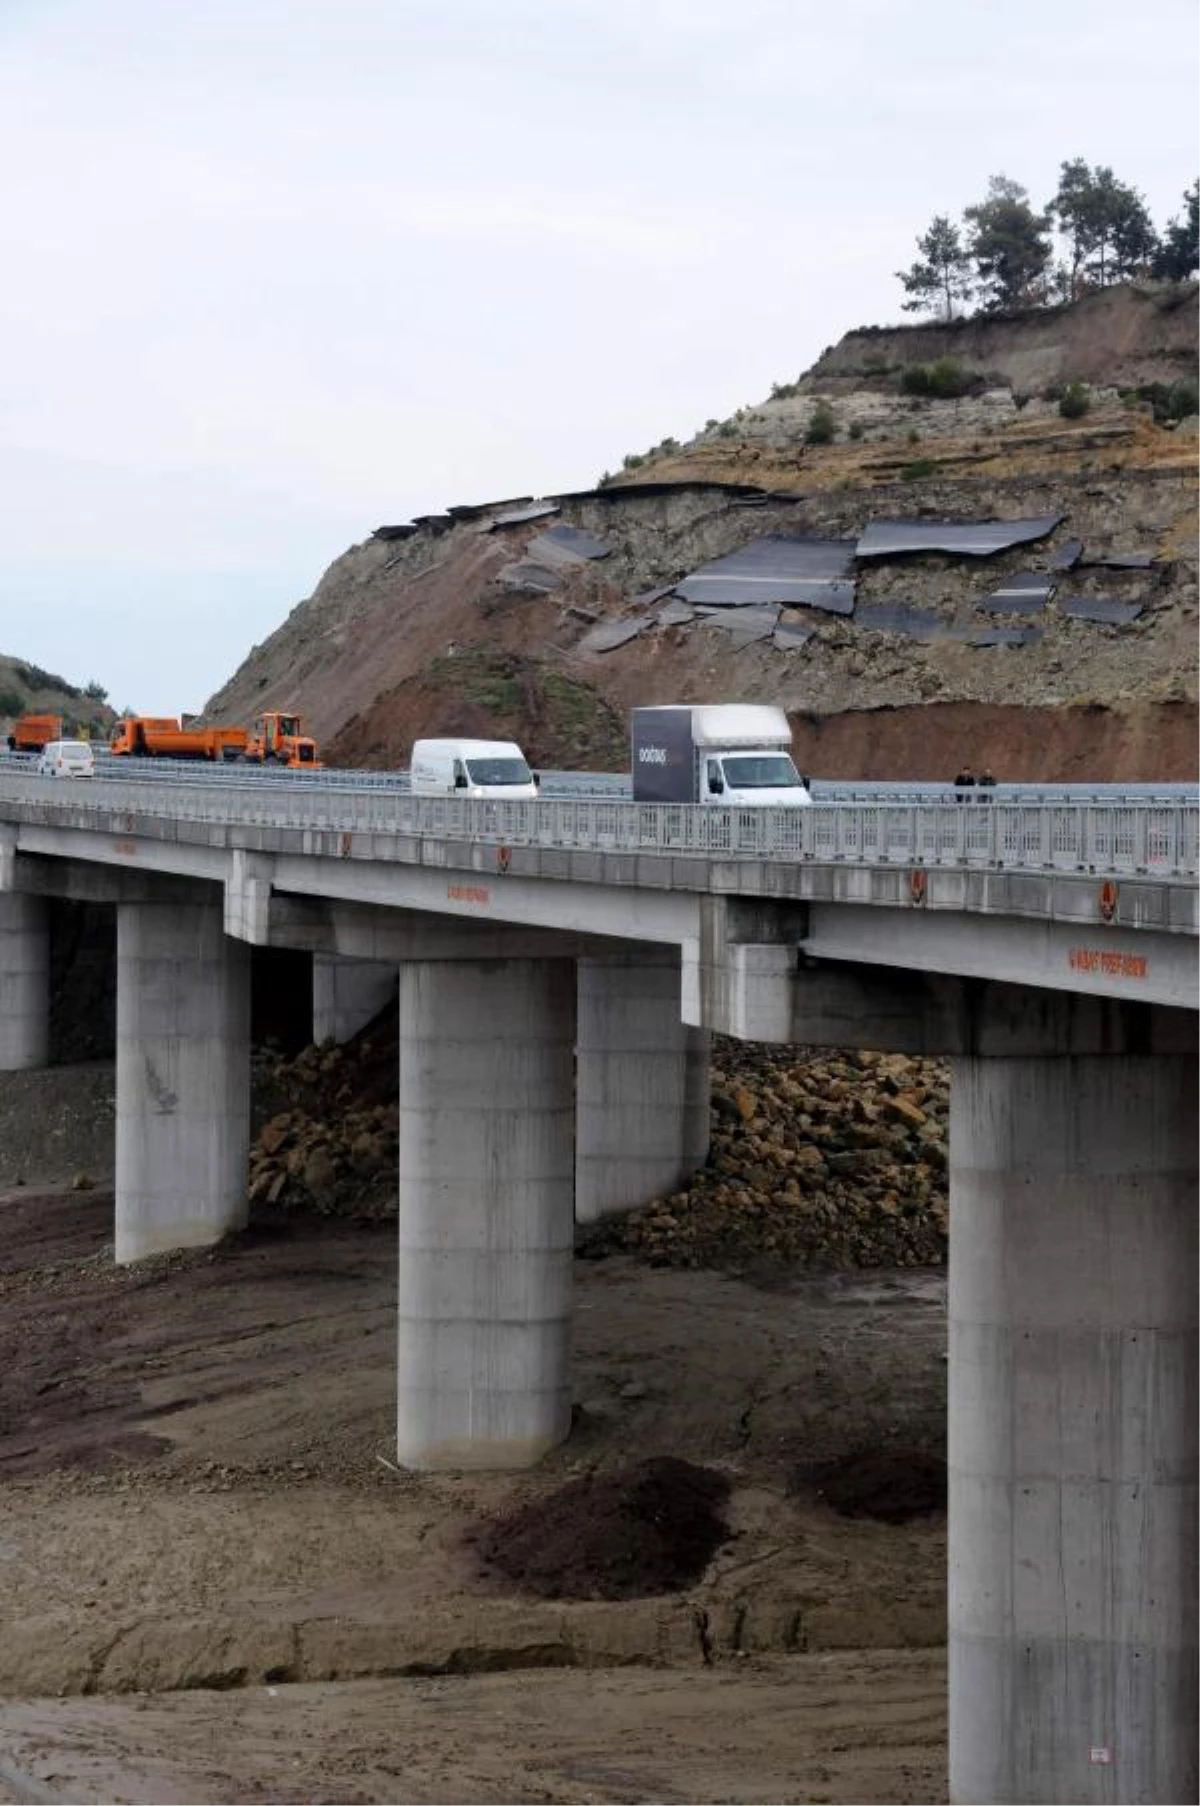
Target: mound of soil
{"type": "Point", "coordinates": [891, 1485]}
{"type": "Point", "coordinates": [625, 1534]}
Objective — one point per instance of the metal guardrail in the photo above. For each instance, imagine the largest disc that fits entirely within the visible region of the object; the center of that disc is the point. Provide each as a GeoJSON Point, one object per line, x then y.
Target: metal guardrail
{"type": "Point", "coordinates": [238, 772]}
{"type": "Point", "coordinates": [1109, 838]}
{"type": "Point", "coordinates": [234, 772]}
{"type": "Point", "coordinates": [600, 785]}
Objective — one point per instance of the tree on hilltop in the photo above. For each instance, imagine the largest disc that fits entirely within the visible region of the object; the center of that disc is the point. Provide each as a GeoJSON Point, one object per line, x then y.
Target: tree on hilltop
{"type": "Point", "coordinates": [1010, 246]}
{"type": "Point", "coordinates": [1178, 254]}
{"type": "Point", "coordinates": [942, 274]}
{"type": "Point", "coordinates": [1106, 224]}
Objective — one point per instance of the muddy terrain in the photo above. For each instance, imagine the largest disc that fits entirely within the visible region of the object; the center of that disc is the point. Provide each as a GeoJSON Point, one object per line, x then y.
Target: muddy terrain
{"type": "Point", "coordinates": [217, 1584]}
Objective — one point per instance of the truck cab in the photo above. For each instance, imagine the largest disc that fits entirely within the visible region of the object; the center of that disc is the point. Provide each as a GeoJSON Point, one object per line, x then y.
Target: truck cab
{"type": "Point", "coordinates": [278, 738]}
{"type": "Point", "coordinates": [742, 779]}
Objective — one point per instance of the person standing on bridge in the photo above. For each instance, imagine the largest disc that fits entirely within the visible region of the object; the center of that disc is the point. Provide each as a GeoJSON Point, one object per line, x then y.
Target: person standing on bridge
{"type": "Point", "coordinates": [963, 782]}
{"type": "Point", "coordinates": [986, 783]}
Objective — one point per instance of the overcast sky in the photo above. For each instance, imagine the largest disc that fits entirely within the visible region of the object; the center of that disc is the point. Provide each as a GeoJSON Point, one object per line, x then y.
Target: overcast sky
{"type": "Point", "coordinates": [281, 270]}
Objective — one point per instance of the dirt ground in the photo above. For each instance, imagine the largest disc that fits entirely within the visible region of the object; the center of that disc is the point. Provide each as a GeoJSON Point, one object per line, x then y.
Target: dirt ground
{"type": "Point", "coordinates": [783, 1728]}
{"type": "Point", "coordinates": [199, 1512]}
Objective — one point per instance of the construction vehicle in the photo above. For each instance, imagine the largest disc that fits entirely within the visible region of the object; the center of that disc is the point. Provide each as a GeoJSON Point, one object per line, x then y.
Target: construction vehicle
{"type": "Point", "coordinates": [164, 737]}
{"type": "Point", "coordinates": [33, 733]}
{"type": "Point", "coordinates": [275, 738]}
{"type": "Point", "coordinates": [278, 738]}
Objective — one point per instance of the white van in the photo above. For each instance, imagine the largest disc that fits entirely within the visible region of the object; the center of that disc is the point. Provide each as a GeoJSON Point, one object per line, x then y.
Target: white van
{"type": "Point", "coordinates": [67, 759]}
{"type": "Point", "coordinates": [471, 768]}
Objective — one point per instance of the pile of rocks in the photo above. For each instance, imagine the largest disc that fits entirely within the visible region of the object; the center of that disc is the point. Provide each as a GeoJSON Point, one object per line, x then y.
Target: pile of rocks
{"type": "Point", "coordinates": [817, 1159]}
{"type": "Point", "coordinates": [328, 1142]}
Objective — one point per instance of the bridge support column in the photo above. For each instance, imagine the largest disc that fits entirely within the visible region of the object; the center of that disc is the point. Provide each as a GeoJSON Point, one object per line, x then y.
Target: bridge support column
{"type": "Point", "coordinates": [347, 994]}
{"type": "Point", "coordinates": [642, 1083]}
{"type": "Point", "coordinates": [183, 1078]}
{"type": "Point", "coordinates": [1072, 1429]}
{"type": "Point", "coordinates": [24, 982]}
{"type": "Point", "coordinates": [486, 1229]}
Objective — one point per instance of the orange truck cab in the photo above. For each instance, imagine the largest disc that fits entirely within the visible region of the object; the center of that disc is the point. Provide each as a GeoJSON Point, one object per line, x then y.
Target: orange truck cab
{"type": "Point", "coordinates": [278, 738]}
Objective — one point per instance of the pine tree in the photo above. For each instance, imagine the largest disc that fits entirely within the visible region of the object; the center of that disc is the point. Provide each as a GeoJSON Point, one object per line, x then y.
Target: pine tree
{"type": "Point", "coordinates": [1106, 224]}
{"type": "Point", "coordinates": [942, 274]}
{"type": "Point", "coordinates": [1178, 254]}
{"type": "Point", "coordinates": [1010, 247]}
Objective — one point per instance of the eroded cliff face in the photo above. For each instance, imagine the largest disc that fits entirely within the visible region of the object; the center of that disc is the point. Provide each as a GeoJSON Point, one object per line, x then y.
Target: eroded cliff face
{"type": "Point", "coordinates": [438, 630]}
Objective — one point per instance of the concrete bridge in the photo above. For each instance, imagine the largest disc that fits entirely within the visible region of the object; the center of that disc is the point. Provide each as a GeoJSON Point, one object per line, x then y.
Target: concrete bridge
{"type": "Point", "coordinates": [561, 966]}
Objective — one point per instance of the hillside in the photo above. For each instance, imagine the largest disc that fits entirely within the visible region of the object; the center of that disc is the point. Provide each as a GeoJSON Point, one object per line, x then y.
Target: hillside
{"type": "Point", "coordinates": [26, 689]}
{"type": "Point", "coordinates": [499, 617]}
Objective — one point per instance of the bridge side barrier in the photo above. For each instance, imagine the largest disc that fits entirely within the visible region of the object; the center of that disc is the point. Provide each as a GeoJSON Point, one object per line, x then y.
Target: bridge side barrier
{"type": "Point", "coordinates": [1114, 838]}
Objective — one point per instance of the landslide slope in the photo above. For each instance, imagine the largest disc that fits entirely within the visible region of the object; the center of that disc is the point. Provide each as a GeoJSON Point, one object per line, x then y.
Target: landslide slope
{"type": "Point", "coordinates": [446, 625]}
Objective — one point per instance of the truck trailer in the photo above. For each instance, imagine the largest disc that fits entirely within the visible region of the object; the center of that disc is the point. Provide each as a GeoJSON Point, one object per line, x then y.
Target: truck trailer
{"type": "Point", "coordinates": [33, 733]}
{"type": "Point", "coordinates": [732, 754]}
{"type": "Point", "coordinates": [164, 737]}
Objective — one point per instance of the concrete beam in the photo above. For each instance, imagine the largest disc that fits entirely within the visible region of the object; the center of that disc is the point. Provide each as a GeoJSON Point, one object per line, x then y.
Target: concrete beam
{"type": "Point", "coordinates": [183, 1079]}
{"type": "Point", "coordinates": [1072, 1429]}
{"type": "Point", "coordinates": [121, 843]}
{"type": "Point", "coordinates": [392, 936]}
{"type": "Point", "coordinates": [729, 930]}
{"type": "Point", "coordinates": [248, 880]}
{"type": "Point", "coordinates": [641, 1083]}
{"type": "Point", "coordinates": [776, 994]}
{"type": "Point", "coordinates": [80, 881]}
{"type": "Point", "coordinates": [486, 1219]}
{"type": "Point", "coordinates": [487, 896]}
{"type": "Point", "coordinates": [1098, 958]}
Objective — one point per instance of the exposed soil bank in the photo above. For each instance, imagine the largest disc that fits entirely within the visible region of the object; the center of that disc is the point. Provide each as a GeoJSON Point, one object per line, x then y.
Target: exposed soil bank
{"type": "Point", "coordinates": [837, 1728]}
{"type": "Point", "coordinates": [1147, 743]}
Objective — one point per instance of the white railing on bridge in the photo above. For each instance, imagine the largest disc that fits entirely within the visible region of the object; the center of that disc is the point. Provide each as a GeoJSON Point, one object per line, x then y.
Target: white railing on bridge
{"type": "Point", "coordinates": [1109, 838]}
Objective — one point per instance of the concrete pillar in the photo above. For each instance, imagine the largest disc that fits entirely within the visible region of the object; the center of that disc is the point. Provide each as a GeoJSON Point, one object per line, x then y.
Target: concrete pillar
{"type": "Point", "coordinates": [183, 1078]}
{"type": "Point", "coordinates": [347, 994]}
{"type": "Point", "coordinates": [24, 982]}
{"type": "Point", "coordinates": [642, 1083]}
{"type": "Point", "coordinates": [486, 1230]}
{"type": "Point", "coordinates": [1072, 1429]}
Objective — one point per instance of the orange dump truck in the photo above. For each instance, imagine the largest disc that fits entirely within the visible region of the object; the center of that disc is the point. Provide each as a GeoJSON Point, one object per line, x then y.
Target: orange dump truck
{"type": "Point", "coordinates": [163, 737]}
{"type": "Point", "coordinates": [34, 732]}
{"type": "Point", "coordinates": [276, 738]}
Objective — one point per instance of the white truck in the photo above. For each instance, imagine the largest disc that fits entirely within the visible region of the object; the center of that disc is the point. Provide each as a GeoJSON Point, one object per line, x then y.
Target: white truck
{"type": "Point", "coordinates": [493, 769]}
{"type": "Point", "coordinates": [732, 754]}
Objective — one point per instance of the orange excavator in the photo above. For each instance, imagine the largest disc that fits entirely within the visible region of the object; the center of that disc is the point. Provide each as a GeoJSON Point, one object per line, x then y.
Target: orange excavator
{"type": "Point", "coordinates": [275, 738]}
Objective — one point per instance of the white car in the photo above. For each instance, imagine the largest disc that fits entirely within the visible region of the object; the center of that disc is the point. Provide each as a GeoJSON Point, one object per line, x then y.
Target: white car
{"type": "Point", "coordinates": [67, 759]}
